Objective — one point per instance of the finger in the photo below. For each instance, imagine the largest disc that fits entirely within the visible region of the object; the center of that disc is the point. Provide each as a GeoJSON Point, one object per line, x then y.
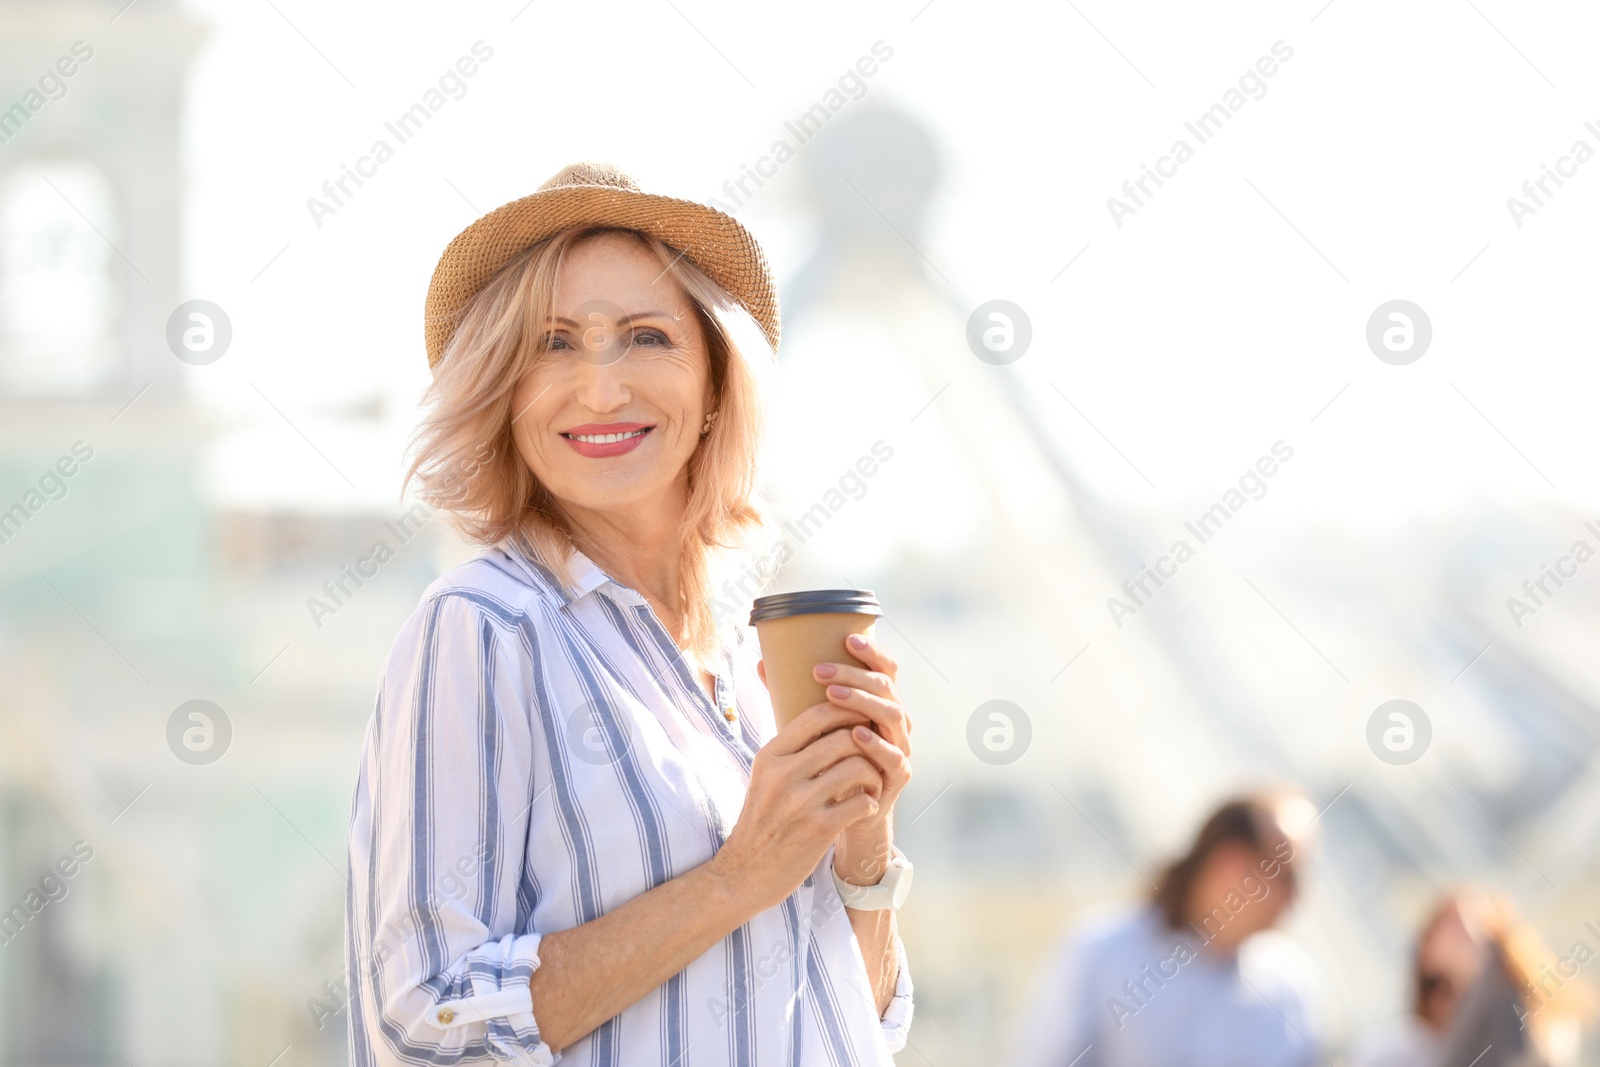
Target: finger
{"type": "Point", "coordinates": [888, 715]}
{"type": "Point", "coordinates": [852, 810]}
{"type": "Point", "coordinates": [848, 776]}
{"type": "Point", "coordinates": [890, 761]}
{"type": "Point", "coordinates": [855, 677]}
{"type": "Point", "coordinates": [874, 655]}
{"type": "Point", "coordinates": [811, 724]}
{"type": "Point", "coordinates": [824, 752]}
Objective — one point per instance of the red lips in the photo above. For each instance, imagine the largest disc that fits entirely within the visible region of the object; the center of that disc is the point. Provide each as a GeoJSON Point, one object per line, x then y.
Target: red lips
{"type": "Point", "coordinates": [604, 449]}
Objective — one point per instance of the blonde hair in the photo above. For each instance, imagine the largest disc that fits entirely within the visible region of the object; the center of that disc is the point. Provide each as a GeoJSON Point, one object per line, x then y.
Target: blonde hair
{"type": "Point", "coordinates": [466, 464]}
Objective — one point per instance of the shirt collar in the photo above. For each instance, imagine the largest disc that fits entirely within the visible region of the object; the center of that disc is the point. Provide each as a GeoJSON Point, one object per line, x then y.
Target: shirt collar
{"type": "Point", "coordinates": [585, 573]}
{"type": "Point", "coordinates": [587, 577]}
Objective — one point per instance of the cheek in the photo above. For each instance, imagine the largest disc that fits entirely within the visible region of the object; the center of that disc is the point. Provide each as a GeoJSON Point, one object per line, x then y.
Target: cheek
{"type": "Point", "coordinates": [678, 393]}
{"type": "Point", "coordinates": [530, 413]}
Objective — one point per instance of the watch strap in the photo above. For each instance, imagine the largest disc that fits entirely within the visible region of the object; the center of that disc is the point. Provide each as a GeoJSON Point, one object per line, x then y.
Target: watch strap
{"type": "Point", "coordinates": [887, 895]}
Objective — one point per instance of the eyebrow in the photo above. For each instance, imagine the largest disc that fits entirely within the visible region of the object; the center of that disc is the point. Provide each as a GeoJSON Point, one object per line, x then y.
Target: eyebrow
{"type": "Point", "coordinates": [624, 320]}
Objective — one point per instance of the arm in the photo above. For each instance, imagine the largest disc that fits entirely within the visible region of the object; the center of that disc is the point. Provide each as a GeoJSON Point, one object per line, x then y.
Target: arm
{"type": "Point", "coordinates": [592, 972]}
{"type": "Point", "coordinates": [442, 976]}
{"type": "Point", "coordinates": [875, 930]}
{"type": "Point", "coordinates": [806, 785]}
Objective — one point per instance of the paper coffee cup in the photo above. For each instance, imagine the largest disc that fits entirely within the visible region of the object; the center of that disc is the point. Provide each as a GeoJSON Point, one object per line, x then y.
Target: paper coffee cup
{"type": "Point", "coordinates": [800, 630]}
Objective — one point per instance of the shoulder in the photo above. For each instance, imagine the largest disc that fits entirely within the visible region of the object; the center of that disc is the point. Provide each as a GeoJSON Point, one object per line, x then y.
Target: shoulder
{"type": "Point", "coordinates": [495, 589]}
{"type": "Point", "coordinates": [496, 584]}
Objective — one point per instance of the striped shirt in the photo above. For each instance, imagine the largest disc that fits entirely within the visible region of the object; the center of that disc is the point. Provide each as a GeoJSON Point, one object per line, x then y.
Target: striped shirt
{"type": "Point", "coordinates": [539, 756]}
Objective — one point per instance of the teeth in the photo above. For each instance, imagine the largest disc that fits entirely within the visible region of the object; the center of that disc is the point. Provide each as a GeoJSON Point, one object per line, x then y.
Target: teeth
{"type": "Point", "coordinates": [604, 438]}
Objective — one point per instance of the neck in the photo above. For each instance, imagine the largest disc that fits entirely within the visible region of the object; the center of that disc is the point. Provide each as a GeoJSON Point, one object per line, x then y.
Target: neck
{"type": "Point", "coordinates": [641, 547]}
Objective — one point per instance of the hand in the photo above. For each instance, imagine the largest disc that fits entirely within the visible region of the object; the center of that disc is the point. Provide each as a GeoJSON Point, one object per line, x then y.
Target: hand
{"type": "Point", "coordinates": [807, 785]}
{"type": "Point", "coordinates": [864, 847]}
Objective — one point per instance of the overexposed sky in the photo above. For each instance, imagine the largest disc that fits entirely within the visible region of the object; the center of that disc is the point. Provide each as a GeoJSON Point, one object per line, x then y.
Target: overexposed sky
{"type": "Point", "coordinates": [1221, 317]}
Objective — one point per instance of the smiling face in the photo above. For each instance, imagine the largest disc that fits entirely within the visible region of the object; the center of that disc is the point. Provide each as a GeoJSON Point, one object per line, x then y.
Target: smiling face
{"type": "Point", "coordinates": [610, 412]}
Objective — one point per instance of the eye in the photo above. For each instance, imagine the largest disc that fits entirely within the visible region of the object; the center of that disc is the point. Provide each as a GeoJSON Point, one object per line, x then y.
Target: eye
{"type": "Point", "coordinates": [650, 337]}
{"type": "Point", "coordinates": [555, 342]}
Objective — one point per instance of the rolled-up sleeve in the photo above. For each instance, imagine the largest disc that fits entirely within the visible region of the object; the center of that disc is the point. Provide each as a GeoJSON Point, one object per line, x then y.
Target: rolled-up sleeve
{"type": "Point", "coordinates": [897, 1016]}
{"type": "Point", "coordinates": [440, 970]}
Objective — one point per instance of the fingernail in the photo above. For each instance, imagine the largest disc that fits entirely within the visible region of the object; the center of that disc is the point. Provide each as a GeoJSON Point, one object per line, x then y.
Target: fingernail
{"type": "Point", "coordinates": [838, 691]}
{"type": "Point", "coordinates": [857, 641]}
{"type": "Point", "coordinates": [862, 734]}
{"type": "Point", "coordinates": [826, 670]}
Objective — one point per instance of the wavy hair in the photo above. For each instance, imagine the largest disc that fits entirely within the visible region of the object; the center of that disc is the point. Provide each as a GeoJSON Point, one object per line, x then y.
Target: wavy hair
{"type": "Point", "coordinates": [465, 463]}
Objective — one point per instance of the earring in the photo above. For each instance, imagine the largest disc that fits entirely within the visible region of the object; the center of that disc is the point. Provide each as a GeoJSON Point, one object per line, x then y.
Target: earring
{"type": "Point", "coordinates": [705, 429]}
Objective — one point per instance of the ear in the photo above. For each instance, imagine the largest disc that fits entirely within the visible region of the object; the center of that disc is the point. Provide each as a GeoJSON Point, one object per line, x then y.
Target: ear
{"type": "Point", "coordinates": [761, 671]}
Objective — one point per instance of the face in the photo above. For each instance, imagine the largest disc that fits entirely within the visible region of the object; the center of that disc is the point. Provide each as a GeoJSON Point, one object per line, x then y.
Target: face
{"type": "Point", "coordinates": [1240, 891]}
{"type": "Point", "coordinates": [1448, 961]}
{"type": "Point", "coordinates": [611, 410]}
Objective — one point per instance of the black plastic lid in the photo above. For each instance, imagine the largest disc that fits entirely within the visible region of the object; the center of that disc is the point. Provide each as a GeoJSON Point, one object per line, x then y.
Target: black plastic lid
{"type": "Point", "coordinates": [815, 602]}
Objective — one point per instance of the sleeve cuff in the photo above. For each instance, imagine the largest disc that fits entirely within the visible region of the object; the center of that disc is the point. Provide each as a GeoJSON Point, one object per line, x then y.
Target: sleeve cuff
{"type": "Point", "coordinates": [897, 1017]}
{"type": "Point", "coordinates": [498, 1004]}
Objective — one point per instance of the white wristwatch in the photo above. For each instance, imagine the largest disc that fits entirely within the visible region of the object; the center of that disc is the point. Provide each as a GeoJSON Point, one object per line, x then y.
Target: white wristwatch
{"type": "Point", "coordinates": [890, 892]}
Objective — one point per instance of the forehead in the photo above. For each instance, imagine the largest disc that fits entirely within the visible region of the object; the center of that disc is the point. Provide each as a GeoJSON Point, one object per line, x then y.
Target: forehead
{"type": "Point", "coordinates": [617, 268]}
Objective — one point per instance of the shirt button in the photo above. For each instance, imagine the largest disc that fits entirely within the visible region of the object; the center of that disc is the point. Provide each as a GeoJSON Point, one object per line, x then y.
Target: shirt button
{"type": "Point", "coordinates": [730, 714]}
{"type": "Point", "coordinates": [445, 1016]}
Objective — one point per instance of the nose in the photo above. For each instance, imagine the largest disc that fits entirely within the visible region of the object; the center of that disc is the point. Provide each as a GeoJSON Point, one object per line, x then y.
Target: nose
{"type": "Point", "coordinates": [602, 385]}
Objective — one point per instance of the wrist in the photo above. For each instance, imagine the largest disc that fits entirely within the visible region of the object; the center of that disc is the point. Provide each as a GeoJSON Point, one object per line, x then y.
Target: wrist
{"type": "Point", "coordinates": [731, 890]}
{"type": "Point", "coordinates": [888, 893]}
{"type": "Point", "coordinates": [861, 856]}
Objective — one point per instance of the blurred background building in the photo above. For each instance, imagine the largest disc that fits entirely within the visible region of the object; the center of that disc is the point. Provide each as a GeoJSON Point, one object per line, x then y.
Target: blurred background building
{"type": "Point", "coordinates": [205, 928]}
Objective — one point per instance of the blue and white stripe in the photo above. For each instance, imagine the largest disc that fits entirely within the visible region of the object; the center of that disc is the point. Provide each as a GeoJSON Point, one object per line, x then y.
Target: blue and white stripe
{"type": "Point", "coordinates": [537, 757]}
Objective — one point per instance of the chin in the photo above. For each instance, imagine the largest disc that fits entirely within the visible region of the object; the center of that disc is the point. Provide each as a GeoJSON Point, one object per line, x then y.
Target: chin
{"type": "Point", "coordinates": [612, 490]}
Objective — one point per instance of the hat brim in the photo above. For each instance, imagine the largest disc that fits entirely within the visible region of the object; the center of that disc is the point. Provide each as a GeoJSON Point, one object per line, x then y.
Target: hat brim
{"type": "Point", "coordinates": [715, 242]}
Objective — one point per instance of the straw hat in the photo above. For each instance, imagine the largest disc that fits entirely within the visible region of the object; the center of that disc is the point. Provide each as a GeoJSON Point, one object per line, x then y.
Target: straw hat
{"type": "Point", "coordinates": [597, 194]}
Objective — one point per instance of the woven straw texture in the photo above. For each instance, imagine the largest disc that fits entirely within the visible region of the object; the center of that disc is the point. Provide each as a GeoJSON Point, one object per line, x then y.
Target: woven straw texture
{"type": "Point", "coordinates": [597, 194]}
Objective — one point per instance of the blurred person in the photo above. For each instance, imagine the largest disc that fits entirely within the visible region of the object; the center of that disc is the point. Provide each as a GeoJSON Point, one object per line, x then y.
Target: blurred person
{"type": "Point", "coordinates": [1448, 959]}
{"type": "Point", "coordinates": [576, 829]}
{"type": "Point", "coordinates": [1196, 977]}
{"type": "Point", "coordinates": [1485, 990]}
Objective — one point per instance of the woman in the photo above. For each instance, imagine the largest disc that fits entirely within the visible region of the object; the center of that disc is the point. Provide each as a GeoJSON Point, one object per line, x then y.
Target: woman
{"type": "Point", "coordinates": [1194, 978]}
{"type": "Point", "coordinates": [576, 830]}
{"type": "Point", "coordinates": [1448, 960]}
{"type": "Point", "coordinates": [1485, 990]}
